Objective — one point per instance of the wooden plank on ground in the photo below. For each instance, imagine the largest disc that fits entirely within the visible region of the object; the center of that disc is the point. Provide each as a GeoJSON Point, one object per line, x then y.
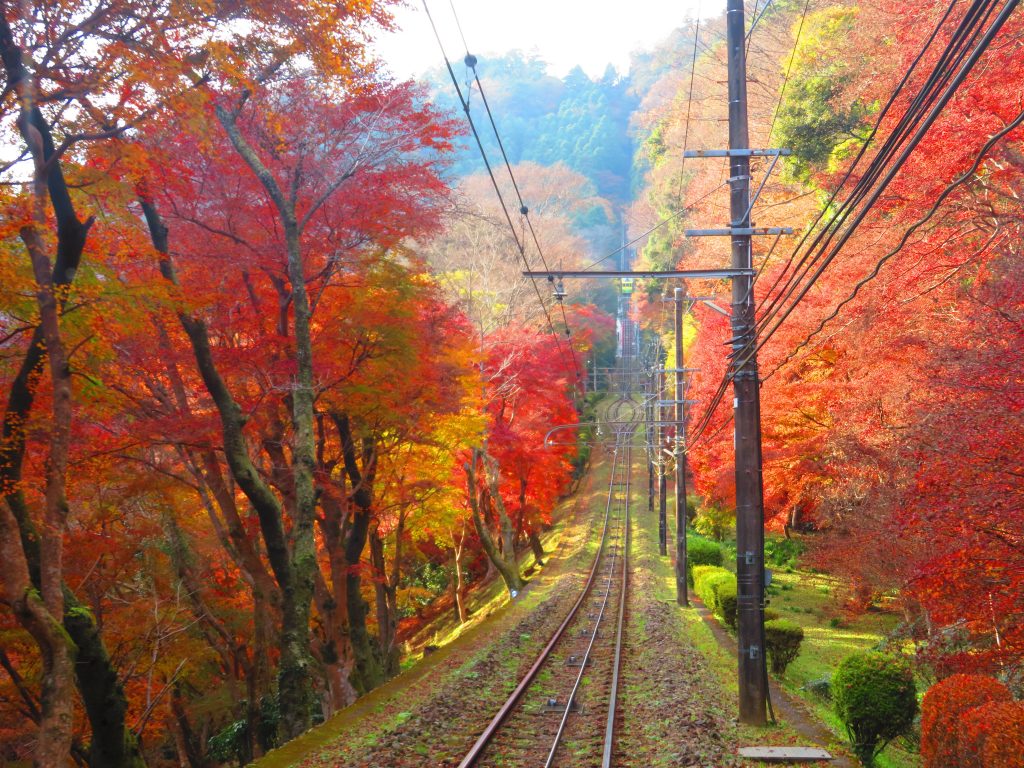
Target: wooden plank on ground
{"type": "Point", "coordinates": [785, 754]}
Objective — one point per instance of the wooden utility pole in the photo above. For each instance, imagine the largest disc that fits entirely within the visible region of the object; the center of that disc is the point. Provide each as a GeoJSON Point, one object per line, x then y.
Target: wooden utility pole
{"type": "Point", "coordinates": [682, 597]}
{"type": "Point", "coordinates": [662, 479]}
{"type": "Point", "coordinates": [649, 434]}
{"type": "Point", "coordinates": [747, 398]}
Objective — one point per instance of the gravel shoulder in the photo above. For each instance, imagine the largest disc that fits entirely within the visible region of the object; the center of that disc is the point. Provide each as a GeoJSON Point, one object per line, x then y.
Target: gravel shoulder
{"type": "Point", "coordinates": [430, 715]}
{"type": "Point", "coordinates": [677, 693]}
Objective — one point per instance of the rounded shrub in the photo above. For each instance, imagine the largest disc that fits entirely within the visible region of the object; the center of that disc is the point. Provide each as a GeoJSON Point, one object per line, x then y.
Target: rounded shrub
{"type": "Point", "coordinates": [701, 552]}
{"type": "Point", "coordinates": [782, 639]}
{"type": "Point", "coordinates": [941, 709]}
{"type": "Point", "coordinates": [874, 696]}
{"type": "Point", "coordinates": [1004, 745]}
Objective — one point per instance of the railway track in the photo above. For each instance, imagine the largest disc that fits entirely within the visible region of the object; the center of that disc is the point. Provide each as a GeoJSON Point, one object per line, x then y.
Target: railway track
{"type": "Point", "coordinates": [563, 711]}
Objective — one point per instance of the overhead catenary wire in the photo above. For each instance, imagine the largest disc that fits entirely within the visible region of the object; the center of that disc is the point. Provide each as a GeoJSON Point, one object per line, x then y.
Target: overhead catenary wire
{"type": "Point", "coordinates": [520, 247]}
{"type": "Point", "coordinates": [671, 217]}
{"type": "Point", "coordinates": [822, 241]}
{"type": "Point", "coordinates": [698, 435]}
{"type": "Point", "coordinates": [523, 209]}
{"type": "Point", "coordinates": [953, 58]}
{"type": "Point", "coordinates": [689, 104]}
{"type": "Point", "coordinates": [960, 180]}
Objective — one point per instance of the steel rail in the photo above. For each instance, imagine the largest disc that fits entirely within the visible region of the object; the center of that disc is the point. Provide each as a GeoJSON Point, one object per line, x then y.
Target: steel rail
{"type": "Point", "coordinates": [600, 616]}
{"type": "Point", "coordinates": [488, 733]}
{"type": "Point", "coordinates": [609, 731]}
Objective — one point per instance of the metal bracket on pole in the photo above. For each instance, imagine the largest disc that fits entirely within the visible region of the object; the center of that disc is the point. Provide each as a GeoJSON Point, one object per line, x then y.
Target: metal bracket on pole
{"type": "Point", "coordinates": [718, 309]}
{"type": "Point", "coordinates": [760, 188]}
{"type": "Point", "coordinates": [708, 301]}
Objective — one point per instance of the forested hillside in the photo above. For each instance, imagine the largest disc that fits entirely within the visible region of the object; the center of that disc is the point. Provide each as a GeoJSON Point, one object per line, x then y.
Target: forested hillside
{"type": "Point", "coordinates": [892, 408]}
{"type": "Point", "coordinates": [250, 434]}
{"type": "Point", "coordinates": [574, 120]}
{"type": "Point", "coordinates": [275, 392]}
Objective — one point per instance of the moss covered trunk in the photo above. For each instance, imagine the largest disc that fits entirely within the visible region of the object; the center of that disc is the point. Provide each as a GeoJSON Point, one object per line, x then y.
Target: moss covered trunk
{"type": "Point", "coordinates": [504, 557]}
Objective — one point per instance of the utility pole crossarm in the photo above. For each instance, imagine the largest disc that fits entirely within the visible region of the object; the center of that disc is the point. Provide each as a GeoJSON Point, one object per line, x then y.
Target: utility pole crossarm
{"type": "Point", "coordinates": [686, 274]}
{"type": "Point", "coordinates": [733, 231]}
{"type": "Point", "coordinates": [737, 152]}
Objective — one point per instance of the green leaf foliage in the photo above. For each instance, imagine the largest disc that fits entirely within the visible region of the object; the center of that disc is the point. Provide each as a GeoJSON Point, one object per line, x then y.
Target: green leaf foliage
{"type": "Point", "coordinates": [813, 121]}
{"type": "Point", "coordinates": [701, 552]}
{"type": "Point", "coordinates": [874, 696]}
{"type": "Point", "coordinates": [782, 639]}
{"type": "Point", "coordinates": [726, 603]}
{"type": "Point", "coordinates": [715, 522]}
{"type": "Point", "coordinates": [708, 580]}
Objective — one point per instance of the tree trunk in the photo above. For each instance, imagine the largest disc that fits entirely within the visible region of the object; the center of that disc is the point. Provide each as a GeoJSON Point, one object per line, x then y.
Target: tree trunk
{"type": "Point", "coordinates": [386, 593]}
{"type": "Point", "coordinates": [508, 568]}
{"type": "Point", "coordinates": [508, 534]}
{"type": "Point", "coordinates": [368, 672]}
{"type": "Point", "coordinates": [40, 612]}
{"type": "Point", "coordinates": [53, 742]}
{"type": "Point", "coordinates": [536, 546]}
{"type": "Point", "coordinates": [521, 512]}
{"type": "Point", "coordinates": [336, 652]}
{"type": "Point", "coordinates": [185, 740]}
{"type": "Point", "coordinates": [292, 558]}
{"type": "Point", "coordinates": [296, 666]}
{"type": "Point", "coordinates": [113, 744]}
{"type": "Point", "coordinates": [456, 582]}
{"type": "Point", "coordinates": [95, 675]}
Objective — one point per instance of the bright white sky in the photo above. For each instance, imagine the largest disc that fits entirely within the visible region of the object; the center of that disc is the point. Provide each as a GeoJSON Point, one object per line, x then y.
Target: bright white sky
{"type": "Point", "coordinates": [591, 33]}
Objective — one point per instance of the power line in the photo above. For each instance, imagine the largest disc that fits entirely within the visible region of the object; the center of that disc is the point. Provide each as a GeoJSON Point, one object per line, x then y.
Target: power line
{"type": "Point", "coordinates": [524, 211]}
{"type": "Point", "coordinates": [848, 175]}
{"type": "Point", "coordinates": [946, 192]}
{"type": "Point", "coordinates": [789, 70]}
{"type": "Point", "coordinates": [659, 225]}
{"type": "Point", "coordinates": [689, 104]}
{"type": "Point", "coordinates": [923, 125]}
{"type": "Point", "coordinates": [520, 247]}
{"type": "Point", "coordinates": [723, 386]}
{"type": "Point", "coordinates": [941, 78]}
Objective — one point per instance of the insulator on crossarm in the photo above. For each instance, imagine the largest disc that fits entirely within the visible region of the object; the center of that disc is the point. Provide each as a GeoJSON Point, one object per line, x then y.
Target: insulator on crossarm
{"type": "Point", "coordinates": [559, 292]}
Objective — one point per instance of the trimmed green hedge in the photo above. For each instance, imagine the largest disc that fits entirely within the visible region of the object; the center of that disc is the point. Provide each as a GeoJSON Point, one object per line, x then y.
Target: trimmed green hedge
{"type": "Point", "coordinates": [874, 695]}
{"type": "Point", "coordinates": [782, 639]}
{"type": "Point", "coordinates": [715, 586]}
{"type": "Point", "coordinates": [726, 602]}
{"type": "Point", "coordinates": [700, 571]}
{"type": "Point", "coordinates": [701, 552]}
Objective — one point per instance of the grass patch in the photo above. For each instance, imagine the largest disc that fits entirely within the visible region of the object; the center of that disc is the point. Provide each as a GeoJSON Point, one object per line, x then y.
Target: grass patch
{"type": "Point", "coordinates": [569, 544]}
{"type": "Point", "coordinates": [806, 599]}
